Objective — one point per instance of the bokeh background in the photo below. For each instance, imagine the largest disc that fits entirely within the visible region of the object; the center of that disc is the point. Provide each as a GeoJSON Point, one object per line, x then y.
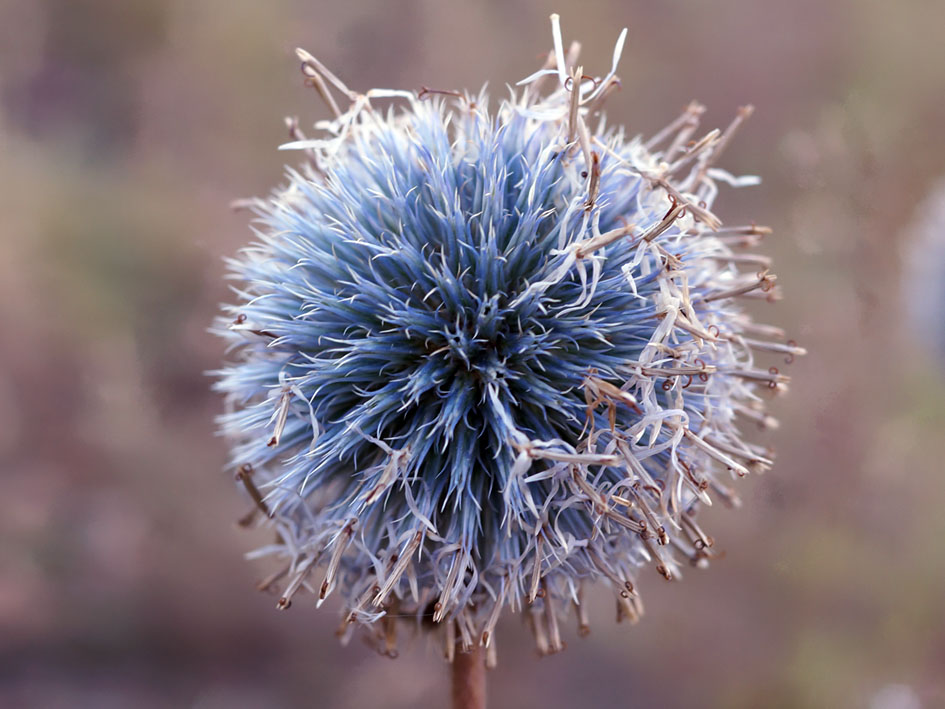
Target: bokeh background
{"type": "Point", "coordinates": [126, 128]}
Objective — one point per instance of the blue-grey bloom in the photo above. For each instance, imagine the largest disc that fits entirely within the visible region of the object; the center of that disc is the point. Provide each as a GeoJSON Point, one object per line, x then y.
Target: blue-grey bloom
{"type": "Point", "coordinates": [481, 357]}
{"type": "Point", "coordinates": [923, 281]}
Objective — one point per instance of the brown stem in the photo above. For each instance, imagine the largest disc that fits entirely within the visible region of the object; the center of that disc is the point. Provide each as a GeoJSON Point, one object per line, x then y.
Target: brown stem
{"type": "Point", "coordinates": [469, 680]}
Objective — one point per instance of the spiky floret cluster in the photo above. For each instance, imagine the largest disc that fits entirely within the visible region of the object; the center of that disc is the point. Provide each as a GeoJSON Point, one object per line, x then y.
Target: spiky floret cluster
{"type": "Point", "coordinates": [483, 358]}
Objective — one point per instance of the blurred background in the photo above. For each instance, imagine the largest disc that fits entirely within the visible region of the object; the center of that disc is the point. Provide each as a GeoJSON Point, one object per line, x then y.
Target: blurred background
{"type": "Point", "coordinates": [126, 128]}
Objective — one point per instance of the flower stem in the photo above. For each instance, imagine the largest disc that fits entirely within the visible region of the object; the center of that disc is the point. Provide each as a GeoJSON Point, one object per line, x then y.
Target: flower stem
{"type": "Point", "coordinates": [469, 680]}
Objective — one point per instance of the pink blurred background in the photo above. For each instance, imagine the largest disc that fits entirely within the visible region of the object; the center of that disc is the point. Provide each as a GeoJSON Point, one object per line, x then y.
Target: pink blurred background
{"type": "Point", "coordinates": [125, 130]}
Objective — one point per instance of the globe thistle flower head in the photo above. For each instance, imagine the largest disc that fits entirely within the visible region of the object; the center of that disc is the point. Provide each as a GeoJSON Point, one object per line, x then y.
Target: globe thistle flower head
{"type": "Point", "coordinates": [923, 283]}
{"type": "Point", "coordinates": [483, 357]}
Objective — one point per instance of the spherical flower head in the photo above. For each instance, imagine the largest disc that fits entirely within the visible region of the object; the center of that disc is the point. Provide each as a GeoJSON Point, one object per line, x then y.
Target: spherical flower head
{"type": "Point", "coordinates": [923, 282]}
{"type": "Point", "coordinates": [482, 358]}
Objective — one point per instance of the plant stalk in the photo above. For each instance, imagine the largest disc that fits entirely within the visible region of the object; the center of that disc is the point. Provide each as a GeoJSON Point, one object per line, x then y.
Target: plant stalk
{"type": "Point", "coordinates": [469, 679]}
